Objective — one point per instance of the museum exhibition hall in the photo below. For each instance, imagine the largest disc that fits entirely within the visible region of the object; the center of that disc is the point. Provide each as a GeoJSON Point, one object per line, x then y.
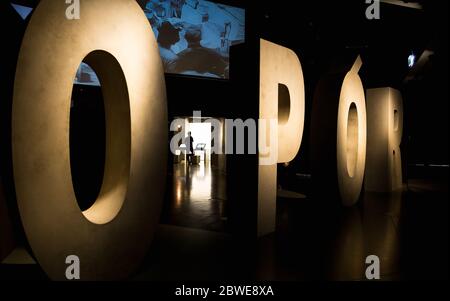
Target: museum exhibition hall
{"type": "Point", "coordinates": [224, 140]}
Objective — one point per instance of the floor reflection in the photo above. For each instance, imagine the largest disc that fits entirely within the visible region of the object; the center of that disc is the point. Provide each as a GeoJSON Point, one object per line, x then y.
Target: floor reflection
{"type": "Point", "coordinates": [370, 230]}
{"type": "Point", "coordinates": [408, 231]}
{"type": "Point", "coordinates": [198, 199]}
{"type": "Point", "coordinates": [333, 243]}
{"type": "Point", "coordinates": [315, 240]}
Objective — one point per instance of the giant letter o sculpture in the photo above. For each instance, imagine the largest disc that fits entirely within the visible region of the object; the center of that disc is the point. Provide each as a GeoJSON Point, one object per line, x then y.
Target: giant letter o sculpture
{"type": "Point", "coordinates": [115, 38]}
{"type": "Point", "coordinates": [351, 136]}
{"type": "Point", "coordinates": [339, 136]}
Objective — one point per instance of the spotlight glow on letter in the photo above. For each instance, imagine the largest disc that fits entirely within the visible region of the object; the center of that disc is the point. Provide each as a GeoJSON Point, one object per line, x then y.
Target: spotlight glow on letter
{"type": "Point", "coordinates": [282, 99]}
{"type": "Point", "coordinates": [385, 130]}
{"type": "Point", "coordinates": [351, 136]}
{"type": "Point", "coordinates": [115, 38]}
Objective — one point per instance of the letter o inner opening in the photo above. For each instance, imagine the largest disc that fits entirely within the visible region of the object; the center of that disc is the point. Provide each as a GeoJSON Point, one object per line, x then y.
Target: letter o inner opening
{"type": "Point", "coordinates": [117, 138]}
{"type": "Point", "coordinates": [352, 140]}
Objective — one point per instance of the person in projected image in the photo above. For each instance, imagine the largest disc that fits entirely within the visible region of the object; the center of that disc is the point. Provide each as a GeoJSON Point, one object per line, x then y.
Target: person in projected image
{"type": "Point", "coordinates": [154, 20]}
{"type": "Point", "coordinates": [167, 37]}
{"type": "Point", "coordinates": [189, 142]}
{"type": "Point", "coordinates": [198, 60]}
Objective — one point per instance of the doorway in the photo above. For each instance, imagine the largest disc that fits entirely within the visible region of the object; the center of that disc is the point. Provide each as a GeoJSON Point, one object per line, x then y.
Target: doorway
{"type": "Point", "coordinates": [196, 195]}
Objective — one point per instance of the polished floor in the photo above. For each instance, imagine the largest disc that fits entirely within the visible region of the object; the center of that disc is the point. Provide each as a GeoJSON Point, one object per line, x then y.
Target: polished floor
{"type": "Point", "coordinates": [196, 197]}
{"type": "Point", "coordinates": [408, 231]}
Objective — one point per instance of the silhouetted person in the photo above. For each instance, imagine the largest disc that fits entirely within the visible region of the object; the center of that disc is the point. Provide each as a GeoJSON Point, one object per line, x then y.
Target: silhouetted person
{"type": "Point", "coordinates": [189, 142]}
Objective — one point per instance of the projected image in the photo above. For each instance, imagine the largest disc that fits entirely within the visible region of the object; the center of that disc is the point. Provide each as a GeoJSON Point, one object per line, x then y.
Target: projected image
{"type": "Point", "coordinates": [194, 36]}
{"type": "Point", "coordinates": [23, 11]}
{"type": "Point", "coordinates": [86, 76]}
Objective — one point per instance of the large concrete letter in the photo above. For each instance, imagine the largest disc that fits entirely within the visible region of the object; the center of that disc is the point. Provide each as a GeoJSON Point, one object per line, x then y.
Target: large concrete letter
{"type": "Point", "coordinates": [112, 236]}
{"type": "Point", "coordinates": [384, 129]}
{"type": "Point", "coordinates": [282, 98]}
{"type": "Point", "coordinates": [338, 136]}
{"type": "Point", "coordinates": [351, 136]}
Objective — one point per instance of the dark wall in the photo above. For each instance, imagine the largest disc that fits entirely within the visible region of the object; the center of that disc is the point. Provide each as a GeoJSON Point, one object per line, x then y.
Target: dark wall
{"type": "Point", "coordinates": [12, 32]}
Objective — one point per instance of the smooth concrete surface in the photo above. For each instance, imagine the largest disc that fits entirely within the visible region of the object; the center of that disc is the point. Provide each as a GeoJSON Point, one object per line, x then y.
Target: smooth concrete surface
{"type": "Point", "coordinates": [351, 136]}
{"type": "Point", "coordinates": [282, 99]}
{"type": "Point", "coordinates": [339, 136]}
{"type": "Point", "coordinates": [267, 199]}
{"type": "Point", "coordinates": [280, 65]}
{"type": "Point", "coordinates": [111, 237]}
{"type": "Point", "coordinates": [384, 131]}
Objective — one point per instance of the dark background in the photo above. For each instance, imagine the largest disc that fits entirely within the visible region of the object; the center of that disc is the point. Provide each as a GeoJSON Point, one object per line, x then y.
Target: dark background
{"type": "Point", "coordinates": [321, 33]}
